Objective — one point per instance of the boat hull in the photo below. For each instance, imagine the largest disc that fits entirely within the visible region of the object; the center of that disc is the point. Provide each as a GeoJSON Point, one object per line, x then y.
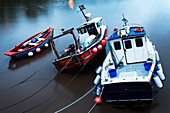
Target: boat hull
{"type": "Point", "coordinates": [23, 54]}
{"type": "Point", "coordinates": [129, 92]}
{"type": "Point", "coordinates": [77, 60]}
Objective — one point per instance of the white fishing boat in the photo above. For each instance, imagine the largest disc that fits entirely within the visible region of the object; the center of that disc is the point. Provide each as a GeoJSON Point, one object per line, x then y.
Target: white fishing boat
{"type": "Point", "coordinates": [131, 68]}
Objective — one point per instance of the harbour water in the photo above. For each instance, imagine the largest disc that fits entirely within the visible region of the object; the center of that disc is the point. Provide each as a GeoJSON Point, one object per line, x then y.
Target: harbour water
{"type": "Point", "coordinates": [33, 85]}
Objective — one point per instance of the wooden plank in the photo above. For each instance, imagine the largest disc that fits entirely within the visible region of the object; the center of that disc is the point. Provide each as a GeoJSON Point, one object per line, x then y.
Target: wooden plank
{"type": "Point", "coordinates": [64, 33]}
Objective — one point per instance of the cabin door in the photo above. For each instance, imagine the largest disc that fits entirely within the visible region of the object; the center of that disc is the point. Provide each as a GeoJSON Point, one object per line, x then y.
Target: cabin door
{"type": "Point", "coordinates": [135, 50]}
{"type": "Point", "coordinates": [140, 49]}
{"type": "Point", "coordinates": [129, 51]}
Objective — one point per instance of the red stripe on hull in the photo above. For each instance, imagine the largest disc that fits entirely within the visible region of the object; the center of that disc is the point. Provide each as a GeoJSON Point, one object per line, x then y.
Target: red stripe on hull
{"type": "Point", "coordinates": [83, 59]}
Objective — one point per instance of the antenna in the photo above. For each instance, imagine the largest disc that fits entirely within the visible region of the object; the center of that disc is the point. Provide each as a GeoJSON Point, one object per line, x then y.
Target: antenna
{"type": "Point", "coordinates": [81, 9]}
{"type": "Point", "coordinates": [124, 20]}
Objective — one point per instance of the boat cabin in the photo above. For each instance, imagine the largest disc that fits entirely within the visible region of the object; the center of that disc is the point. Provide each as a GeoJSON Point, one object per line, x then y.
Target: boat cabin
{"type": "Point", "coordinates": [88, 31]}
{"type": "Point", "coordinates": [129, 46]}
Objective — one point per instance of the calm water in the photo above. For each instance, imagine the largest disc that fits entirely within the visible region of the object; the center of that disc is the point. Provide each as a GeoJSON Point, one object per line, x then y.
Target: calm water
{"type": "Point", "coordinates": [20, 19]}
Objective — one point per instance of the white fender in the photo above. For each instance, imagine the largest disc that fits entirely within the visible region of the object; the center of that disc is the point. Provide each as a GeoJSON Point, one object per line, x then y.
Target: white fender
{"type": "Point", "coordinates": [157, 81]}
{"type": "Point", "coordinates": [98, 90]}
{"type": "Point", "coordinates": [159, 66]}
{"type": "Point", "coordinates": [161, 75]}
{"type": "Point", "coordinates": [157, 56]}
{"type": "Point", "coordinates": [97, 79]}
{"type": "Point", "coordinates": [99, 69]}
{"type": "Point", "coordinates": [46, 45]}
{"type": "Point", "coordinates": [30, 54]}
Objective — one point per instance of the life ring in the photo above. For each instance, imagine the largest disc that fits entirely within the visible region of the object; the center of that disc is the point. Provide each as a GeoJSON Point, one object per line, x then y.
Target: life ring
{"type": "Point", "coordinates": [139, 30]}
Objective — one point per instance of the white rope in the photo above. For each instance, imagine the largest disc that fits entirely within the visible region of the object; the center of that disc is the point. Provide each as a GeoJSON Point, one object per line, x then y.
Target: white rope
{"type": "Point", "coordinates": [3, 57]}
{"type": "Point", "coordinates": [74, 101]}
{"type": "Point", "coordinates": [96, 102]}
{"type": "Point", "coordinates": [65, 65]}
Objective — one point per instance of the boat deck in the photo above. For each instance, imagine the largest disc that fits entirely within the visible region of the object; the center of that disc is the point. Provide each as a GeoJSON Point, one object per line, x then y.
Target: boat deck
{"type": "Point", "coordinates": [138, 68]}
{"type": "Point", "coordinates": [128, 72]}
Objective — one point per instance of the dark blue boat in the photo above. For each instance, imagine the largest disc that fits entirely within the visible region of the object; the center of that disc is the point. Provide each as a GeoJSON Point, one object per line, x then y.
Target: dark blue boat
{"type": "Point", "coordinates": [31, 45]}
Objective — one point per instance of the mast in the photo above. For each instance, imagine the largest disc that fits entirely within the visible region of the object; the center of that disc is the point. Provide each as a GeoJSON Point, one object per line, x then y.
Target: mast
{"type": "Point", "coordinates": [53, 47]}
{"type": "Point", "coordinates": [81, 9]}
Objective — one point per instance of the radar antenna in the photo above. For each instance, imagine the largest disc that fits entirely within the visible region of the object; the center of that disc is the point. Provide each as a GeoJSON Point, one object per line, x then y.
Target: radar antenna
{"type": "Point", "coordinates": [124, 20]}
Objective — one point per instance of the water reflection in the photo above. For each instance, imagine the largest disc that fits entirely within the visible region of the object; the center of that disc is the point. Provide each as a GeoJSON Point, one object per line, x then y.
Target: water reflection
{"type": "Point", "coordinates": [12, 10]}
{"type": "Point", "coordinates": [15, 9]}
{"type": "Point", "coordinates": [16, 64]}
{"type": "Point", "coordinates": [71, 4]}
{"type": "Point", "coordinates": [20, 18]}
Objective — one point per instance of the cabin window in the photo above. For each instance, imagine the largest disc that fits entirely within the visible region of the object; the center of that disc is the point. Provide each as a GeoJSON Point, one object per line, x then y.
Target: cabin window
{"type": "Point", "coordinates": [99, 24]}
{"type": "Point", "coordinates": [128, 44]}
{"type": "Point", "coordinates": [139, 42]}
{"type": "Point", "coordinates": [82, 30]}
{"type": "Point", "coordinates": [117, 45]}
{"type": "Point", "coordinates": [92, 29]}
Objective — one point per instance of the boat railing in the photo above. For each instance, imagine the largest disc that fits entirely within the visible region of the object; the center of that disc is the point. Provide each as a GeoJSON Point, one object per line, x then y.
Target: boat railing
{"type": "Point", "coordinates": [69, 31]}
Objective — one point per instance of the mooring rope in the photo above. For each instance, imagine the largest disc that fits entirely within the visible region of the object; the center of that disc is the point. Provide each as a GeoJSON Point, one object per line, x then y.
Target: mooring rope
{"type": "Point", "coordinates": [2, 91]}
{"type": "Point", "coordinates": [1, 109]}
{"type": "Point", "coordinates": [3, 57]}
{"type": "Point", "coordinates": [55, 94]}
{"type": "Point", "coordinates": [96, 102]}
{"type": "Point", "coordinates": [75, 101]}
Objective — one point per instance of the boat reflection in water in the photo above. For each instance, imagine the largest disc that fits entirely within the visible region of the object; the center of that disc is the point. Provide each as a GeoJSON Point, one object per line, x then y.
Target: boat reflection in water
{"type": "Point", "coordinates": [18, 63]}
{"type": "Point", "coordinates": [71, 4]}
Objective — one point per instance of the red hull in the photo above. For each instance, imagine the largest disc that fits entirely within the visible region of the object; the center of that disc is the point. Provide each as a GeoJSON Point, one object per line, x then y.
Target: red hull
{"type": "Point", "coordinates": [75, 61]}
{"type": "Point", "coordinates": [79, 59]}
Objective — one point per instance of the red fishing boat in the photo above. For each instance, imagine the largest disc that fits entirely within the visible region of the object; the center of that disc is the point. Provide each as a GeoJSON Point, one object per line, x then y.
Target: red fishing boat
{"type": "Point", "coordinates": [32, 44]}
{"type": "Point", "coordinates": [92, 39]}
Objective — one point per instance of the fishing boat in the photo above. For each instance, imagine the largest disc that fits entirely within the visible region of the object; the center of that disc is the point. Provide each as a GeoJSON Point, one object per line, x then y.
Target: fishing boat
{"type": "Point", "coordinates": [92, 40]}
{"type": "Point", "coordinates": [131, 69]}
{"type": "Point", "coordinates": [31, 45]}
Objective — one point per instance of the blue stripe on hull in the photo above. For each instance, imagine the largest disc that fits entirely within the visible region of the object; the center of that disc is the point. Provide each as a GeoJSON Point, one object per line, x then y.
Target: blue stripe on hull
{"type": "Point", "coordinates": [25, 54]}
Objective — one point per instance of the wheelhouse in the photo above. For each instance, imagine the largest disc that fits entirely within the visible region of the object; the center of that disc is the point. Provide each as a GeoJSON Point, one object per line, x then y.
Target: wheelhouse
{"type": "Point", "coordinates": [90, 29]}
{"type": "Point", "coordinates": [129, 49]}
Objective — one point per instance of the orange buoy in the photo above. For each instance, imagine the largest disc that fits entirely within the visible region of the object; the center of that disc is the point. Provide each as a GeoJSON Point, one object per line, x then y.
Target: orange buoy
{"type": "Point", "coordinates": [38, 50]}
{"type": "Point", "coordinates": [98, 100]}
{"type": "Point", "coordinates": [103, 42]}
{"type": "Point", "coordinates": [62, 29]}
{"type": "Point", "coordinates": [94, 50]}
{"type": "Point", "coordinates": [99, 47]}
{"type": "Point", "coordinates": [115, 29]}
